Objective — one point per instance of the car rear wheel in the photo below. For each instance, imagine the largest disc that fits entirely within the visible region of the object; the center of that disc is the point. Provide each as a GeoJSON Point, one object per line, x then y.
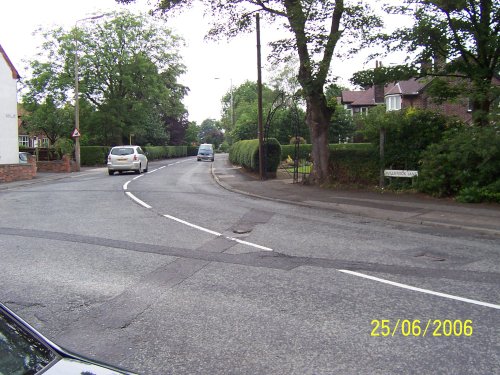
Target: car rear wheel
{"type": "Point", "coordinates": [146, 170]}
{"type": "Point", "coordinates": [111, 173]}
{"type": "Point", "coordinates": [139, 170]}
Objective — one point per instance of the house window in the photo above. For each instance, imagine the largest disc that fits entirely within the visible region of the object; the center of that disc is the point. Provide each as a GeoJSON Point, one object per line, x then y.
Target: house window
{"type": "Point", "coordinates": [393, 102]}
{"type": "Point", "coordinates": [364, 110]}
{"type": "Point", "coordinates": [24, 141]}
{"type": "Point", "coordinates": [44, 142]}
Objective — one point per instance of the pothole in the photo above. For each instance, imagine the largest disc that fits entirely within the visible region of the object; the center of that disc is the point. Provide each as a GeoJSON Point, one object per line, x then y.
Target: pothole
{"type": "Point", "coordinates": [430, 256]}
{"type": "Point", "coordinates": [242, 230]}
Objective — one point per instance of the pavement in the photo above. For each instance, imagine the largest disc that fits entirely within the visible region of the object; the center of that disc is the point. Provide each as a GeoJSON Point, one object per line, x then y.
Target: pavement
{"type": "Point", "coordinates": [398, 207]}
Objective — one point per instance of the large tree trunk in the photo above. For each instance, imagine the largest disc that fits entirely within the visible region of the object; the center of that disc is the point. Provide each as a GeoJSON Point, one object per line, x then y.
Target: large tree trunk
{"type": "Point", "coordinates": [318, 120]}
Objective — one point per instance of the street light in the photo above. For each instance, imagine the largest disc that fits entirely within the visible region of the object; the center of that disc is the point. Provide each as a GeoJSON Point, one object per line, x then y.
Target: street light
{"type": "Point", "coordinates": [76, 133]}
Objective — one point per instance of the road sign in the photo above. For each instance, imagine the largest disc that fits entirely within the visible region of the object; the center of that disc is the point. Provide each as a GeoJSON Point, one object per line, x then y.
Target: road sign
{"type": "Point", "coordinates": [76, 133]}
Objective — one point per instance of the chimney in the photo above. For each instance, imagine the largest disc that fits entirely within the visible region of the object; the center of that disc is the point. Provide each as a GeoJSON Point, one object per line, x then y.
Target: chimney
{"type": "Point", "coordinates": [378, 87]}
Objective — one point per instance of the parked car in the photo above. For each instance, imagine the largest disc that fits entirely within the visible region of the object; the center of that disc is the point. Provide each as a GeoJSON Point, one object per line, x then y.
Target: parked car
{"type": "Point", "coordinates": [127, 158]}
{"type": "Point", "coordinates": [23, 157]}
{"type": "Point", "coordinates": [205, 152]}
{"type": "Point", "coordinates": [23, 350]}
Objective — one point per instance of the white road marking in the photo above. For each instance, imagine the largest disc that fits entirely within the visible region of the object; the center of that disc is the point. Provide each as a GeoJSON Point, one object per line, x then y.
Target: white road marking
{"type": "Point", "coordinates": [192, 225]}
{"type": "Point", "coordinates": [217, 233]}
{"type": "Point", "coordinates": [125, 185]}
{"type": "Point", "coordinates": [427, 291]}
{"type": "Point", "coordinates": [250, 244]}
{"type": "Point", "coordinates": [143, 204]}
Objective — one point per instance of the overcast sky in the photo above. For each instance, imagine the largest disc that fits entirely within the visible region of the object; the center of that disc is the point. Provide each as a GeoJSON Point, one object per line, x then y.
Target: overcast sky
{"type": "Point", "coordinates": [229, 62]}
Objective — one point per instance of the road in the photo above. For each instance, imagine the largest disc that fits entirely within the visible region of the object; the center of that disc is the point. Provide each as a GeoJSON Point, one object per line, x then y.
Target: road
{"type": "Point", "coordinates": [168, 273]}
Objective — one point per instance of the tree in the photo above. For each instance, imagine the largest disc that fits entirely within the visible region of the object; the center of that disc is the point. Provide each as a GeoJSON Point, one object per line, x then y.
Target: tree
{"type": "Point", "coordinates": [47, 118]}
{"type": "Point", "coordinates": [315, 28]}
{"type": "Point", "coordinates": [128, 69]}
{"type": "Point", "coordinates": [342, 125]}
{"type": "Point", "coordinates": [464, 33]}
{"type": "Point", "coordinates": [210, 132]}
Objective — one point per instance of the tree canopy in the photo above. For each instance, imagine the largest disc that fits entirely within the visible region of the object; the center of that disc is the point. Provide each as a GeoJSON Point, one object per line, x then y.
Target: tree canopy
{"type": "Point", "coordinates": [462, 38]}
{"type": "Point", "coordinates": [127, 68]}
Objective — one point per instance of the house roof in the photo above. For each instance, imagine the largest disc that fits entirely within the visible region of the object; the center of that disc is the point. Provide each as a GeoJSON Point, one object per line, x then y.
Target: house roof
{"type": "Point", "coordinates": [359, 98]}
{"type": "Point", "coordinates": [15, 74]}
{"type": "Point", "coordinates": [412, 86]}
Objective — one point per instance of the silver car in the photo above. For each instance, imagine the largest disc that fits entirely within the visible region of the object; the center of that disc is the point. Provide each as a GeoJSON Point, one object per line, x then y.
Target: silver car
{"type": "Point", "coordinates": [127, 158]}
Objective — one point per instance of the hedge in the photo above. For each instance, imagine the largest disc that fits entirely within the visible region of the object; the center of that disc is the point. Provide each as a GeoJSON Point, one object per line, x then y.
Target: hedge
{"type": "Point", "coordinates": [94, 155]}
{"type": "Point", "coordinates": [97, 155]}
{"type": "Point", "coordinates": [165, 152]}
{"type": "Point", "coordinates": [246, 154]}
{"type": "Point", "coordinates": [354, 164]}
{"type": "Point", "coordinates": [306, 149]}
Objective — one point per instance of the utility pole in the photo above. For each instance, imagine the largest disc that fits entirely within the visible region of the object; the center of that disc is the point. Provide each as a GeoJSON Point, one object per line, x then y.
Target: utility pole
{"type": "Point", "coordinates": [76, 132]}
{"type": "Point", "coordinates": [259, 95]}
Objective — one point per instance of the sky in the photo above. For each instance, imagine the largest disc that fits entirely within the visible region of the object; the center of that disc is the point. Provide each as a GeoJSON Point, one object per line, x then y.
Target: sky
{"type": "Point", "coordinates": [211, 66]}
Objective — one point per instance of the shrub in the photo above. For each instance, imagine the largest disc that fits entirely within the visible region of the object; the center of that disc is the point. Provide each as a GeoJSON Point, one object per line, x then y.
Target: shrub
{"type": "Point", "coordinates": [246, 154]}
{"type": "Point", "coordinates": [354, 164]}
{"type": "Point", "coordinates": [94, 155]}
{"type": "Point", "coordinates": [465, 162]}
{"type": "Point", "coordinates": [407, 133]}
{"type": "Point", "coordinates": [164, 152]}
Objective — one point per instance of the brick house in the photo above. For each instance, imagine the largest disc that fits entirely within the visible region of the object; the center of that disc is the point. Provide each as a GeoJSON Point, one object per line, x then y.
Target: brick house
{"type": "Point", "coordinates": [401, 95]}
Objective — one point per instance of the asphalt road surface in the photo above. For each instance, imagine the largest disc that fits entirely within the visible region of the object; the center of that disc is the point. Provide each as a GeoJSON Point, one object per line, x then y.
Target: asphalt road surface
{"type": "Point", "coordinates": [168, 273]}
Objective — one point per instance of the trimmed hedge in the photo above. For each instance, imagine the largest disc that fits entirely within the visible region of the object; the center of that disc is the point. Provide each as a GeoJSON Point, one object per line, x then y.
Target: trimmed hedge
{"type": "Point", "coordinates": [192, 150]}
{"type": "Point", "coordinates": [354, 164]}
{"type": "Point", "coordinates": [94, 155]}
{"type": "Point", "coordinates": [246, 154]}
{"type": "Point", "coordinates": [306, 149]}
{"type": "Point", "coordinates": [165, 152]}
{"type": "Point", "coordinates": [97, 155]}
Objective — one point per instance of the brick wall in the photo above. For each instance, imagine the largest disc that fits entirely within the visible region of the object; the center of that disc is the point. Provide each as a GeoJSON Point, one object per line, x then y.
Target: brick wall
{"type": "Point", "coordinates": [66, 165]}
{"type": "Point", "coordinates": [18, 172]}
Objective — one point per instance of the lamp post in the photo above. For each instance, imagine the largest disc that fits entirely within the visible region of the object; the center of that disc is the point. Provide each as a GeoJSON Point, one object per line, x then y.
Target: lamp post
{"type": "Point", "coordinates": [76, 132]}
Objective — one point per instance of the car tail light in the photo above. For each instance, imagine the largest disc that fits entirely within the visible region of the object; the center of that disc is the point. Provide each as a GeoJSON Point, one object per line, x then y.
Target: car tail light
{"type": "Point", "coordinates": [109, 157]}
{"type": "Point", "coordinates": [135, 158]}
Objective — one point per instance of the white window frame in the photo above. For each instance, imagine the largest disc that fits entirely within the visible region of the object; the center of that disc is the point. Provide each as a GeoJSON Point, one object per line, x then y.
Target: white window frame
{"type": "Point", "coordinates": [393, 102]}
{"type": "Point", "coordinates": [24, 140]}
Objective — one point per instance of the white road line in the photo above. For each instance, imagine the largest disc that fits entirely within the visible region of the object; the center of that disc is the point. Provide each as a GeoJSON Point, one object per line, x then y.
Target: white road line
{"type": "Point", "coordinates": [250, 244]}
{"type": "Point", "coordinates": [125, 185]}
{"type": "Point", "coordinates": [427, 291]}
{"type": "Point", "coordinates": [217, 233]}
{"type": "Point", "coordinates": [145, 205]}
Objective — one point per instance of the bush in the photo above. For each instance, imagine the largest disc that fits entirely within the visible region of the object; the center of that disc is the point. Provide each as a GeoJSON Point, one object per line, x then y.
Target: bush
{"type": "Point", "coordinates": [407, 133]}
{"type": "Point", "coordinates": [94, 155]}
{"type": "Point", "coordinates": [164, 152]}
{"type": "Point", "coordinates": [246, 154]}
{"type": "Point", "coordinates": [192, 150]}
{"type": "Point", "coordinates": [464, 163]}
{"type": "Point", "coordinates": [289, 150]}
{"type": "Point", "coordinates": [354, 164]}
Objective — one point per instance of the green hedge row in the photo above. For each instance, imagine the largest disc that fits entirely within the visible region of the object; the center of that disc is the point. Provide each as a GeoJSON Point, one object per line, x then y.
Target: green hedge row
{"type": "Point", "coordinates": [97, 155]}
{"type": "Point", "coordinates": [354, 164]}
{"type": "Point", "coordinates": [165, 152]}
{"type": "Point", "coordinates": [306, 149]}
{"type": "Point", "coordinates": [94, 155]}
{"type": "Point", "coordinates": [246, 154]}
